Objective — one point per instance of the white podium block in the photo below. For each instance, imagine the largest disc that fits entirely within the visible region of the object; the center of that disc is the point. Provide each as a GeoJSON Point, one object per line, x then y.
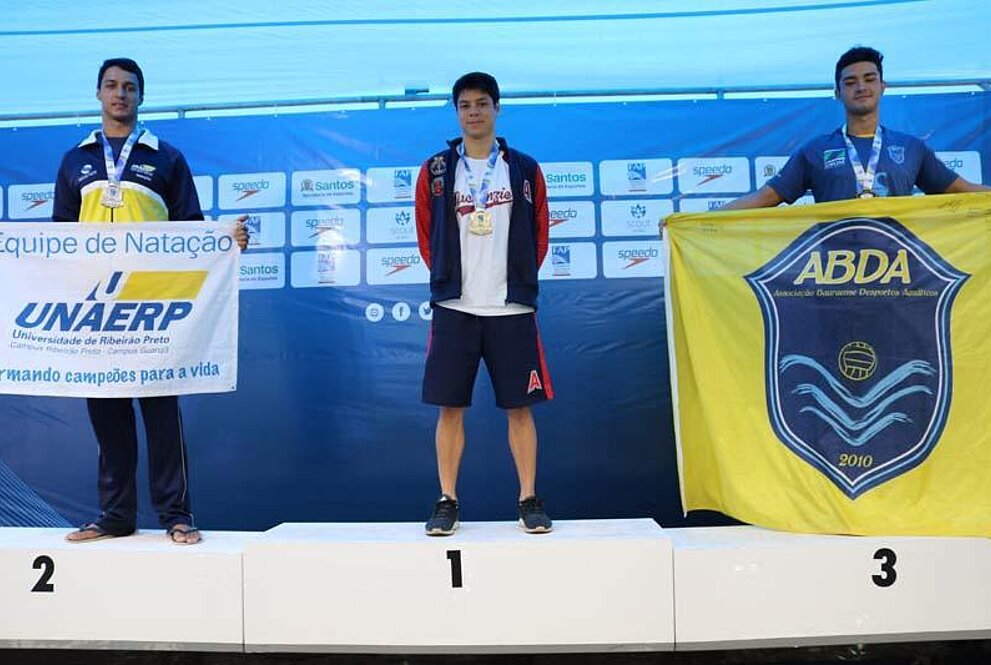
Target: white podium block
{"type": "Point", "coordinates": [139, 592]}
{"type": "Point", "coordinates": [387, 588]}
{"type": "Point", "coordinates": [743, 586]}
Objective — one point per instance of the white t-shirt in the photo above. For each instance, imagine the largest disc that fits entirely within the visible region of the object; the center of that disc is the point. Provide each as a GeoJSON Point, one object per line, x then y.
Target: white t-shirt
{"type": "Point", "coordinates": [484, 258]}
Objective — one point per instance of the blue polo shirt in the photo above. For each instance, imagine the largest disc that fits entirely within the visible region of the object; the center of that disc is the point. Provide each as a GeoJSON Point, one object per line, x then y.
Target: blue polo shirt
{"type": "Point", "coordinates": [822, 165]}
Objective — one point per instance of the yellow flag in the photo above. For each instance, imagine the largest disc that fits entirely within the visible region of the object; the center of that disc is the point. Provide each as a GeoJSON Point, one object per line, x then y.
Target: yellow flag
{"type": "Point", "coordinates": [831, 364]}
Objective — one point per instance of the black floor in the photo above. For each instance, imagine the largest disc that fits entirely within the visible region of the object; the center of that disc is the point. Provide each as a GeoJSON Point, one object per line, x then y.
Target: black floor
{"type": "Point", "coordinates": [932, 653]}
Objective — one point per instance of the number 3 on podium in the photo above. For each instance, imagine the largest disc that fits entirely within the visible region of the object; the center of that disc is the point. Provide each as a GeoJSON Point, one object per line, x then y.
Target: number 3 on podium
{"type": "Point", "coordinates": [888, 574]}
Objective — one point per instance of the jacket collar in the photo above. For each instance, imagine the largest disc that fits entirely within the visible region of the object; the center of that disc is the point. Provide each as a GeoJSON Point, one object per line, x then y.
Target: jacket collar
{"type": "Point", "coordinates": [147, 138]}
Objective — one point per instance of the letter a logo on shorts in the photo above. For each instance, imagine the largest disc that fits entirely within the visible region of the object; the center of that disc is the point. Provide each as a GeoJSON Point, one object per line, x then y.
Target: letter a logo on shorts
{"type": "Point", "coordinates": [534, 382]}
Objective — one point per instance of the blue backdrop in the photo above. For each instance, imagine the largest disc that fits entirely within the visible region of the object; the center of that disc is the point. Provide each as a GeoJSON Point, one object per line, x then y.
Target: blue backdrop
{"type": "Point", "coordinates": [326, 424]}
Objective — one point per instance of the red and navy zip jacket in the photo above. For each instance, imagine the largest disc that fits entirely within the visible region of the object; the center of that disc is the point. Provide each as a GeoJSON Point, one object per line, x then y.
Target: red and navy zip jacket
{"type": "Point", "coordinates": [440, 240]}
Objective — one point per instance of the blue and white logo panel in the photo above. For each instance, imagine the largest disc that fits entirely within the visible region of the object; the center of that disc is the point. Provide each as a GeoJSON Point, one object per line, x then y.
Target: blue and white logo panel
{"type": "Point", "coordinates": [263, 270]}
{"type": "Point", "coordinates": [636, 177]}
{"type": "Point", "coordinates": [634, 217]}
{"type": "Point", "coordinates": [392, 224]}
{"type": "Point", "coordinates": [336, 226]}
{"type": "Point", "coordinates": [570, 260]}
{"type": "Point", "coordinates": [266, 230]}
{"type": "Point", "coordinates": [326, 267]}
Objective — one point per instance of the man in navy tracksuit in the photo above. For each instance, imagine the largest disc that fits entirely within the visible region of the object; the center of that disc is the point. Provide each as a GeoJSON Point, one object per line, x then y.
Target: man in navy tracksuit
{"type": "Point", "coordinates": [482, 228]}
{"type": "Point", "coordinates": [152, 183]}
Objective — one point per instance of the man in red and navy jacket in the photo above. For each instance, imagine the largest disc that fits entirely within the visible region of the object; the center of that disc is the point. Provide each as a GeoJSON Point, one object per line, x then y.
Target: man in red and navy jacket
{"type": "Point", "coordinates": [482, 227]}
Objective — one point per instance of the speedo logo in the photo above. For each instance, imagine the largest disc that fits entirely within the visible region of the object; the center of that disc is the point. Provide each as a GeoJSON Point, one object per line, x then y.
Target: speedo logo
{"type": "Point", "coordinates": [635, 257]}
{"type": "Point", "coordinates": [562, 215]}
{"type": "Point", "coordinates": [139, 301]}
{"type": "Point", "coordinates": [251, 188]}
{"type": "Point", "coordinates": [36, 199]}
{"type": "Point", "coordinates": [710, 173]}
{"type": "Point", "coordinates": [399, 263]}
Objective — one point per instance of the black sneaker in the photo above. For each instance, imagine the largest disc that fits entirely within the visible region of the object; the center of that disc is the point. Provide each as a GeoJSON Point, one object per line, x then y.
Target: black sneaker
{"type": "Point", "coordinates": [444, 520]}
{"type": "Point", "coordinates": [533, 519]}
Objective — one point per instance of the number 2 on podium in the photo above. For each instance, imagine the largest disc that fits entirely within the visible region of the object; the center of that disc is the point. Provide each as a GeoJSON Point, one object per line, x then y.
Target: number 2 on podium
{"type": "Point", "coordinates": [46, 565]}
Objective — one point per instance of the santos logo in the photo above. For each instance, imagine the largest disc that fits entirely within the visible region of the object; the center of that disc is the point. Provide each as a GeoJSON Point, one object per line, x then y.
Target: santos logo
{"type": "Point", "coordinates": [327, 185]}
{"type": "Point", "coordinates": [145, 300]}
{"type": "Point", "coordinates": [308, 185]}
{"type": "Point", "coordinates": [566, 178]}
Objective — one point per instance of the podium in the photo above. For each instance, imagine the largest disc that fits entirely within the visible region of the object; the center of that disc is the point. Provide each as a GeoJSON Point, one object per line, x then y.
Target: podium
{"type": "Point", "coordinates": [586, 586]}
{"type": "Point", "coordinates": [139, 592]}
{"type": "Point", "coordinates": [748, 587]}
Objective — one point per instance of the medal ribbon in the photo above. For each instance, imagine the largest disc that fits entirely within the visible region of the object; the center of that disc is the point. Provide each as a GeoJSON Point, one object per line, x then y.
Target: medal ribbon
{"type": "Point", "coordinates": [481, 195]}
{"type": "Point", "coordinates": [114, 171]}
{"type": "Point", "coordinates": [865, 178]}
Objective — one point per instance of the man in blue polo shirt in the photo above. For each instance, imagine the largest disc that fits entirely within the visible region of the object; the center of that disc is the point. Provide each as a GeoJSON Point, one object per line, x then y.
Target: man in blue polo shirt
{"type": "Point", "coordinates": [862, 158]}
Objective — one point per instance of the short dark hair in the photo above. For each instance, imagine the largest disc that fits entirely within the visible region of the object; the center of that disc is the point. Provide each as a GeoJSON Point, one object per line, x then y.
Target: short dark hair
{"type": "Point", "coordinates": [476, 81]}
{"type": "Point", "coordinates": [127, 65]}
{"type": "Point", "coordinates": [858, 54]}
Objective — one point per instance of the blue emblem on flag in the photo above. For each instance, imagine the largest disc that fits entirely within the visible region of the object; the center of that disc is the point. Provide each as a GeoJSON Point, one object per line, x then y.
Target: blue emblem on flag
{"type": "Point", "coordinates": [858, 369]}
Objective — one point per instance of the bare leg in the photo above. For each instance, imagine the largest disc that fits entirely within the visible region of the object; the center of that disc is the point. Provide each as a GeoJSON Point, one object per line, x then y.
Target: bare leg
{"type": "Point", "coordinates": [450, 442]}
{"type": "Point", "coordinates": [523, 444]}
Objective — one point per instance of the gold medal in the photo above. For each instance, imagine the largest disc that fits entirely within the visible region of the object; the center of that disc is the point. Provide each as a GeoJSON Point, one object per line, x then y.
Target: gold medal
{"type": "Point", "coordinates": [480, 222]}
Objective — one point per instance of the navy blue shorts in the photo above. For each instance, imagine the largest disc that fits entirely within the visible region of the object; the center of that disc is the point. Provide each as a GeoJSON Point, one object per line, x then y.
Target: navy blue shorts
{"type": "Point", "coordinates": [510, 346]}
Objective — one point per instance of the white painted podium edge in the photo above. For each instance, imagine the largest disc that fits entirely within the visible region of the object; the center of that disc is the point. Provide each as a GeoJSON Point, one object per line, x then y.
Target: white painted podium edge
{"type": "Point", "coordinates": [124, 645]}
{"type": "Point", "coordinates": [459, 649]}
{"type": "Point", "coordinates": [834, 640]}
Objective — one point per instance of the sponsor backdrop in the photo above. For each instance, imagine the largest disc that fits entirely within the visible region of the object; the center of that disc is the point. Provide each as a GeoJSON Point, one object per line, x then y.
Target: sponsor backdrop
{"type": "Point", "coordinates": [326, 423]}
{"type": "Point", "coordinates": [859, 334]}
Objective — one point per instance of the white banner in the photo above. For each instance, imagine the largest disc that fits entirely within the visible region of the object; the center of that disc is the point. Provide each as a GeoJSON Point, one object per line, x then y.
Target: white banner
{"type": "Point", "coordinates": [118, 310]}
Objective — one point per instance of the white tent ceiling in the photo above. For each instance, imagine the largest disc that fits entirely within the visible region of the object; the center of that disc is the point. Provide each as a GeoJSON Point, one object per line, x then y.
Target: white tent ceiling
{"type": "Point", "coordinates": [199, 53]}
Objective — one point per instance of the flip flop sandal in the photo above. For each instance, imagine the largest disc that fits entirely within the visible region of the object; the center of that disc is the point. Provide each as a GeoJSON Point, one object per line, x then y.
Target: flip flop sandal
{"type": "Point", "coordinates": [179, 528]}
{"type": "Point", "coordinates": [101, 534]}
